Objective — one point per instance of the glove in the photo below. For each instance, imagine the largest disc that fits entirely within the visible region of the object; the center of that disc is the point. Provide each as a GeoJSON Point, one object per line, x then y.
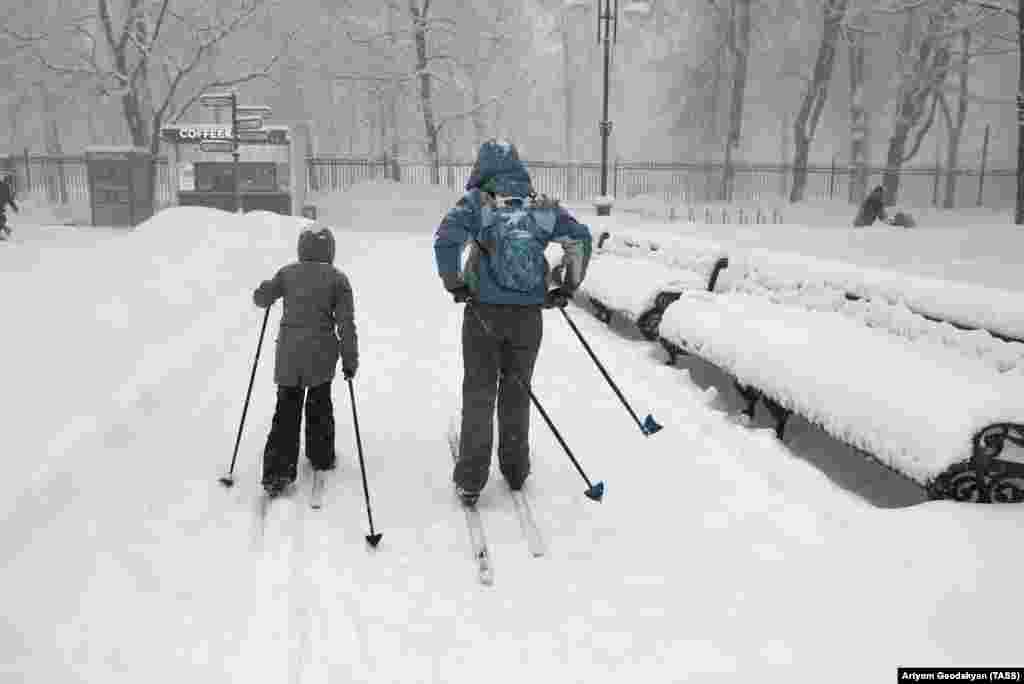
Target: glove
{"type": "Point", "coordinates": [349, 373]}
{"type": "Point", "coordinates": [461, 294]}
{"type": "Point", "coordinates": [558, 297]}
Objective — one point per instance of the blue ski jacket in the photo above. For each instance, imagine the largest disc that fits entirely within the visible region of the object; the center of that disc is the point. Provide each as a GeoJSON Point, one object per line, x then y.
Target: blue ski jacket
{"type": "Point", "coordinates": [498, 172]}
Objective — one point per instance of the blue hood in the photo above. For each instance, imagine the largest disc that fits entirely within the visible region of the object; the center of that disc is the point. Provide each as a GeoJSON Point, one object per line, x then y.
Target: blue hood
{"type": "Point", "coordinates": [498, 169]}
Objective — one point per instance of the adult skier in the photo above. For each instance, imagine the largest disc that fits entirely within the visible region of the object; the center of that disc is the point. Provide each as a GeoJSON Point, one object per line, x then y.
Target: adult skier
{"type": "Point", "coordinates": [504, 285]}
{"type": "Point", "coordinates": [317, 300]}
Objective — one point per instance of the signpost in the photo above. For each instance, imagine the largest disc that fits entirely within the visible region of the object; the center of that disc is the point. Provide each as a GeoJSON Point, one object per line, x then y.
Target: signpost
{"type": "Point", "coordinates": [246, 126]}
{"type": "Point", "coordinates": [260, 137]}
{"type": "Point", "coordinates": [217, 146]}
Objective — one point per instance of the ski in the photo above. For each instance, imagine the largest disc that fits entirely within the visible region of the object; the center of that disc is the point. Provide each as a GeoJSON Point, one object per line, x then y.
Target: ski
{"type": "Point", "coordinates": [266, 498]}
{"type": "Point", "coordinates": [475, 525]}
{"type": "Point", "coordinates": [316, 496]}
{"type": "Point", "coordinates": [534, 540]}
{"type": "Point", "coordinates": [478, 541]}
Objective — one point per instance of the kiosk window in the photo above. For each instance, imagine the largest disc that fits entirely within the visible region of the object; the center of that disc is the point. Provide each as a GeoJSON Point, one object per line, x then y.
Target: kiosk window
{"type": "Point", "coordinates": [252, 176]}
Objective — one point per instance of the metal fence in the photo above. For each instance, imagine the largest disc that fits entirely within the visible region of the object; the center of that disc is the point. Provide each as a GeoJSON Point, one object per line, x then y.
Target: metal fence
{"type": "Point", "coordinates": [63, 180]}
{"type": "Point", "coordinates": [689, 183]}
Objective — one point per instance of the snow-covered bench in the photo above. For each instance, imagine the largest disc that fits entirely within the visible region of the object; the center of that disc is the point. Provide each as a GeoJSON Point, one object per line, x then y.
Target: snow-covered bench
{"type": "Point", "coordinates": [935, 417]}
{"type": "Point", "coordinates": [635, 280]}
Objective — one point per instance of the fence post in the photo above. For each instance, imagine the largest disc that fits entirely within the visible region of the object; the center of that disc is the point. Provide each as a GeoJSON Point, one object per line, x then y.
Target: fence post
{"type": "Point", "coordinates": [28, 173]}
{"type": "Point", "coordinates": [832, 179]}
{"type": "Point", "coordinates": [615, 177]}
{"type": "Point", "coordinates": [984, 161]}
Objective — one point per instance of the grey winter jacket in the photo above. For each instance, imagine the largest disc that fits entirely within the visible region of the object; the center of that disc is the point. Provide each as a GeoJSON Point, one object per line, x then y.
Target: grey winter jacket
{"type": "Point", "coordinates": [317, 300]}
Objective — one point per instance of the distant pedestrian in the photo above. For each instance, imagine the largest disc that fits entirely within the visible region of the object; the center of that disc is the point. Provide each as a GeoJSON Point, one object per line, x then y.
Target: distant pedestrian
{"type": "Point", "coordinates": [6, 197]}
{"type": "Point", "coordinates": [872, 209]}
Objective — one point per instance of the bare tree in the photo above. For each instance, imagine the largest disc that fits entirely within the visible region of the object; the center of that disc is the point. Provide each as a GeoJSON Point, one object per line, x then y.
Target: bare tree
{"type": "Point", "coordinates": [739, 49]}
{"type": "Point", "coordinates": [816, 94]}
{"type": "Point", "coordinates": [420, 50]}
{"type": "Point", "coordinates": [860, 124]}
{"type": "Point", "coordinates": [925, 69]}
{"type": "Point", "coordinates": [149, 55]}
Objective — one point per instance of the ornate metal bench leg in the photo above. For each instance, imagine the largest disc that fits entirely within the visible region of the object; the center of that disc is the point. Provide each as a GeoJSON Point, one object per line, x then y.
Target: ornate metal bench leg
{"type": "Point", "coordinates": [780, 414]}
{"type": "Point", "coordinates": [674, 352]}
{"type": "Point", "coordinates": [750, 394]}
{"type": "Point", "coordinates": [648, 324]}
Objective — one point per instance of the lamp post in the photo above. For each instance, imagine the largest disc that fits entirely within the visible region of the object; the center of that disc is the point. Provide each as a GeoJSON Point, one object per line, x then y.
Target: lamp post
{"type": "Point", "coordinates": [607, 33]}
{"type": "Point", "coordinates": [234, 152]}
{"type": "Point", "coordinates": [1019, 218]}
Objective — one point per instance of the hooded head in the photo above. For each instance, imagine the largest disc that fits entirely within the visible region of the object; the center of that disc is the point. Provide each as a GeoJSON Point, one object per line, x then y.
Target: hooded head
{"type": "Point", "coordinates": [498, 170]}
{"type": "Point", "coordinates": [316, 243]}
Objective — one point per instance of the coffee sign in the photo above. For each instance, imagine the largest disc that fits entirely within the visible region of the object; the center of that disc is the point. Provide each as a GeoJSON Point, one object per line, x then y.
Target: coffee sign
{"type": "Point", "coordinates": [193, 133]}
{"type": "Point", "coordinates": [196, 133]}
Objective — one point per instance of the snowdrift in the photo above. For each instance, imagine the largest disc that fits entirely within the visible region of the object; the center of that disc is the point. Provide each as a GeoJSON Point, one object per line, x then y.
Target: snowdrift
{"type": "Point", "coordinates": [386, 206]}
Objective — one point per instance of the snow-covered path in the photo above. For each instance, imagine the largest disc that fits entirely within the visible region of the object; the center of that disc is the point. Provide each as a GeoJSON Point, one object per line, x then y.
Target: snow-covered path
{"type": "Point", "coordinates": [714, 551]}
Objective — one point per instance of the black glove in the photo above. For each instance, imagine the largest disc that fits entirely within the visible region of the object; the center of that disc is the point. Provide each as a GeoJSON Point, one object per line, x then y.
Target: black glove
{"type": "Point", "coordinates": [461, 294]}
{"type": "Point", "coordinates": [558, 297]}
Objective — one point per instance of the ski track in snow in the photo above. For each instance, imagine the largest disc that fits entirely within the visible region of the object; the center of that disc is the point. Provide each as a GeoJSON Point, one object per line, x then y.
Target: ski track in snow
{"type": "Point", "coordinates": [716, 553]}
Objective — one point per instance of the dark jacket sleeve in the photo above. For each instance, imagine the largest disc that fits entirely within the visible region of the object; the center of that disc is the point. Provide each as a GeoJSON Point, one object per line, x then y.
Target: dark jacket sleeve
{"type": "Point", "coordinates": [344, 317]}
{"type": "Point", "coordinates": [269, 291]}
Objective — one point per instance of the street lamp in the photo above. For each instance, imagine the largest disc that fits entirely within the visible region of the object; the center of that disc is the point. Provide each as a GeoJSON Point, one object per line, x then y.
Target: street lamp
{"type": "Point", "coordinates": [609, 16]}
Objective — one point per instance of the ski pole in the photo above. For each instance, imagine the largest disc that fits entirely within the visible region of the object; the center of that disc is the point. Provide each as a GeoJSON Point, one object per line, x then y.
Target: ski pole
{"type": "Point", "coordinates": [228, 480]}
{"type": "Point", "coordinates": [649, 426]}
{"type": "Point", "coordinates": [594, 491]}
{"type": "Point", "coordinates": [373, 538]}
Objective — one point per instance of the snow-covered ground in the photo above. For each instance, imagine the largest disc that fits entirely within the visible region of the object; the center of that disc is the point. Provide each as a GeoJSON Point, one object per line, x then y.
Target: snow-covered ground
{"type": "Point", "coordinates": [718, 554]}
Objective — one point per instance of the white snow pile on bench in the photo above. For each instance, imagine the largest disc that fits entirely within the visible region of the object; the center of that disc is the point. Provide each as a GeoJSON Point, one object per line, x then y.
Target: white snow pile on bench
{"type": "Point", "coordinates": [693, 254]}
{"type": "Point", "coordinates": [630, 285]}
{"type": "Point", "coordinates": [975, 306]}
{"type": "Point", "coordinates": [915, 413]}
{"type": "Point", "coordinates": [930, 336]}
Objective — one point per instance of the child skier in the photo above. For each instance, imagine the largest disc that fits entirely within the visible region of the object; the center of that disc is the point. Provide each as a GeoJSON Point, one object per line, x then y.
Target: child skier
{"type": "Point", "coordinates": [317, 300]}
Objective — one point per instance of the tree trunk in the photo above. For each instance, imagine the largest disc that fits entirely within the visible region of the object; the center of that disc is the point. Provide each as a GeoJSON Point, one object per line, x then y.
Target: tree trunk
{"type": "Point", "coordinates": [928, 72]}
{"type": "Point", "coordinates": [479, 118]}
{"type": "Point", "coordinates": [956, 128]}
{"type": "Point", "coordinates": [57, 183]}
{"type": "Point", "coordinates": [739, 42]}
{"type": "Point", "coordinates": [154, 154]}
{"type": "Point", "coordinates": [426, 96]}
{"type": "Point", "coordinates": [396, 168]}
{"type": "Point", "coordinates": [859, 121]}
{"type": "Point", "coordinates": [568, 92]}
{"type": "Point", "coordinates": [816, 95]}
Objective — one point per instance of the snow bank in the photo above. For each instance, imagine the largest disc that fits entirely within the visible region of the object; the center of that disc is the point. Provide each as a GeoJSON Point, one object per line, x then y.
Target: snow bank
{"type": "Point", "coordinates": [386, 206]}
{"type": "Point", "coordinates": [915, 413]}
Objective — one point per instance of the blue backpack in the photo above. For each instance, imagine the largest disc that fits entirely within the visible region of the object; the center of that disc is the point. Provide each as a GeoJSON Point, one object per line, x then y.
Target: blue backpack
{"type": "Point", "coordinates": [518, 233]}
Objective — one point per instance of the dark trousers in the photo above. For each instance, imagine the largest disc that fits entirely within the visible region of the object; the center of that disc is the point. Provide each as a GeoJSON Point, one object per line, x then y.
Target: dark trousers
{"type": "Point", "coordinates": [490, 362]}
{"type": "Point", "coordinates": [281, 455]}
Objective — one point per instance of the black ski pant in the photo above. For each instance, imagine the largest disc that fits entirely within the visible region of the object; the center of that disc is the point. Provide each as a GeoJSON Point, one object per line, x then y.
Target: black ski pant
{"type": "Point", "coordinates": [281, 455]}
{"type": "Point", "coordinates": [490, 364]}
